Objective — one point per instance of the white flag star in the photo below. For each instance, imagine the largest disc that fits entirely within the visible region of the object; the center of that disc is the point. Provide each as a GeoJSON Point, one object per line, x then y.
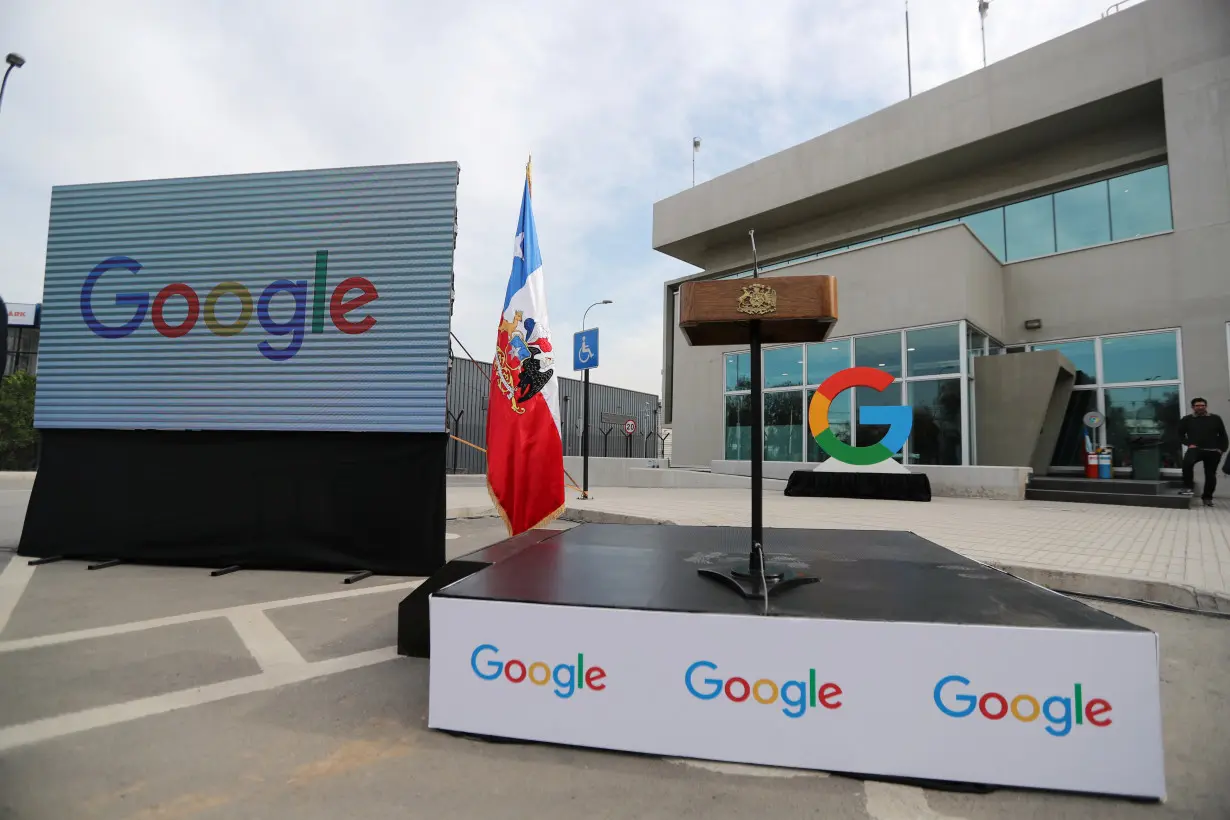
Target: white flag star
{"type": "Point", "coordinates": [517, 246]}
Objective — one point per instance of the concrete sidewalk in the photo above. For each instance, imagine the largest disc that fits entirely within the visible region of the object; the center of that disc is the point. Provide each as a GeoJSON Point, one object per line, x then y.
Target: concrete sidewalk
{"type": "Point", "coordinates": [1175, 557]}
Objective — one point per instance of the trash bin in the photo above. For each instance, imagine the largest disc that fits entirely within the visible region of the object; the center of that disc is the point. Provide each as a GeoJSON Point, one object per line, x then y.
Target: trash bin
{"type": "Point", "coordinates": [1147, 458]}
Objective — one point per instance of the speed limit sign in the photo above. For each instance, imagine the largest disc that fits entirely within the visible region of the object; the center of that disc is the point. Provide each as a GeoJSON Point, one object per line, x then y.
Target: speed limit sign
{"type": "Point", "coordinates": [630, 426]}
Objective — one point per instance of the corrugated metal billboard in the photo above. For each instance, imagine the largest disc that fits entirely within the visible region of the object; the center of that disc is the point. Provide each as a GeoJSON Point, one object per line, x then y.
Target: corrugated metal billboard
{"type": "Point", "coordinates": [307, 300]}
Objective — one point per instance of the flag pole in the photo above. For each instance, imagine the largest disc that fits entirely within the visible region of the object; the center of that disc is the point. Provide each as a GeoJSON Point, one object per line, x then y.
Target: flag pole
{"type": "Point", "coordinates": [529, 174]}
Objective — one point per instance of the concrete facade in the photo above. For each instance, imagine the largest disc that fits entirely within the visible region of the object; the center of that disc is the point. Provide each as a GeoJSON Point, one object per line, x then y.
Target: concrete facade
{"type": "Point", "coordinates": [1021, 401]}
{"type": "Point", "coordinates": [1147, 85]}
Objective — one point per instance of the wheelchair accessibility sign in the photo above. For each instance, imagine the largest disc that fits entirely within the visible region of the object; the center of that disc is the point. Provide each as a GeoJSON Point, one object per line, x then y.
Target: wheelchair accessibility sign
{"type": "Point", "coordinates": [585, 349]}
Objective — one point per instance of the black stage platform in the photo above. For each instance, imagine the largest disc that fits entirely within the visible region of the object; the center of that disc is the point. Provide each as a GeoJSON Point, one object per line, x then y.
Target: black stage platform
{"type": "Point", "coordinates": [878, 575]}
{"type": "Point", "coordinates": [606, 636]}
{"type": "Point", "coordinates": [883, 486]}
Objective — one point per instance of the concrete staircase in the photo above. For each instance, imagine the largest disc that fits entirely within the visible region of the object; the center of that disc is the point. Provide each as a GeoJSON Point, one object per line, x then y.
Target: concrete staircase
{"type": "Point", "coordinates": [1126, 492]}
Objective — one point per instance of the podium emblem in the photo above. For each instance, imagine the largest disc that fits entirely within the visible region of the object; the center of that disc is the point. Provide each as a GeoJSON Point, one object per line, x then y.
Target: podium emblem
{"type": "Point", "coordinates": [758, 300]}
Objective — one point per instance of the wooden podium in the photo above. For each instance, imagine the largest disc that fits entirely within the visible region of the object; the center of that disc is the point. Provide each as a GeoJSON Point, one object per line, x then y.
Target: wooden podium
{"type": "Point", "coordinates": [784, 309]}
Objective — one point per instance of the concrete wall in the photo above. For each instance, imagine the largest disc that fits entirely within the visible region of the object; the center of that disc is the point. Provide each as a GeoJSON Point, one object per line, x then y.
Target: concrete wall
{"type": "Point", "coordinates": [1020, 400]}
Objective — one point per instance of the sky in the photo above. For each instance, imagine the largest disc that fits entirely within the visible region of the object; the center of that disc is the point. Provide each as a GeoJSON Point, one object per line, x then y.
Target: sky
{"type": "Point", "coordinates": [606, 97]}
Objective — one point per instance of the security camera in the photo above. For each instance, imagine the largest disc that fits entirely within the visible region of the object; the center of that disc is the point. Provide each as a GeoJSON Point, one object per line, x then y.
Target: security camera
{"type": "Point", "coordinates": [15, 60]}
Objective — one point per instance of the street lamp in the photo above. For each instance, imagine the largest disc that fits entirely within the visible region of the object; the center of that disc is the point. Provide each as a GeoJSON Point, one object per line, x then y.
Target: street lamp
{"type": "Point", "coordinates": [14, 61]}
{"type": "Point", "coordinates": [983, 5]}
{"type": "Point", "coordinates": [585, 410]}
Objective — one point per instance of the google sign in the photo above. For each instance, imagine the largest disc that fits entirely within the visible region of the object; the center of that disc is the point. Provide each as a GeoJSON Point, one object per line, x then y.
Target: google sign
{"type": "Point", "coordinates": [796, 694]}
{"type": "Point", "coordinates": [294, 328]}
{"type": "Point", "coordinates": [898, 418]}
{"type": "Point", "coordinates": [952, 697]}
{"type": "Point", "coordinates": [568, 678]}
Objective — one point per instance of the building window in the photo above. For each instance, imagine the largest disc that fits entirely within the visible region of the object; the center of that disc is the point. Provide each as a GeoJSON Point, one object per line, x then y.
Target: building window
{"type": "Point", "coordinates": [738, 371]}
{"type": "Point", "coordinates": [1029, 228]}
{"type": "Point", "coordinates": [739, 428]}
{"type": "Point", "coordinates": [826, 358]}
{"type": "Point", "coordinates": [1082, 217]}
{"type": "Point", "coordinates": [783, 367]}
{"type": "Point", "coordinates": [930, 359]}
{"type": "Point", "coordinates": [1110, 210]}
{"type": "Point", "coordinates": [933, 351]}
{"type": "Point", "coordinates": [1135, 381]}
{"type": "Point", "coordinates": [881, 351]}
{"type": "Point", "coordinates": [783, 425]}
{"type": "Point", "coordinates": [1140, 203]}
{"type": "Point", "coordinates": [935, 437]}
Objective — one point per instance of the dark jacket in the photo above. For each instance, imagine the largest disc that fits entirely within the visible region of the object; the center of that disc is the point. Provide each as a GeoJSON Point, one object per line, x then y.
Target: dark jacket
{"type": "Point", "coordinates": [1206, 432]}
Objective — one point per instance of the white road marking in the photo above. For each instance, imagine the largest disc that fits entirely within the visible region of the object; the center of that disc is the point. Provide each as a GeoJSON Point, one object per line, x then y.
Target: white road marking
{"type": "Point", "coordinates": [743, 769]}
{"type": "Point", "coordinates": [268, 645]}
{"type": "Point", "coordinates": [138, 626]}
{"type": "Point", "coordinates": [13, 581]}
{"type": "Point", "coordinates": [889, 801]}
{"type": "Point", "coordinates": [38, 731]}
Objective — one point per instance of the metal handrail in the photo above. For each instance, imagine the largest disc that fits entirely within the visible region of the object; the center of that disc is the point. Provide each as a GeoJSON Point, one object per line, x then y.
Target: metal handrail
{"type": "Point", "coordinates": [1114, 8]}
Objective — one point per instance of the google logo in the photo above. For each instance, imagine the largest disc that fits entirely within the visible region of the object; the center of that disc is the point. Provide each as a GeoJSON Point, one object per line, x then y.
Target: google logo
{"type": "Point", "coordinates": [339, 307]}
{"type": "Point", "coordinates": [796, 694]}
{"type": "Point", "coordinates": [567, 677]}
{"type": "Point", "coordinates": [899, 419]}
{"type": "Point", "coordinates": [1057, 709]}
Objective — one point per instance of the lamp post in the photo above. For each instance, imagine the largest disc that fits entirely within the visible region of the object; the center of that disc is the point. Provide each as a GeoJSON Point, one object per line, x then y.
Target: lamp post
{"type": "Point", "coordinates": [585, 410]}
{"type": "Point", "coordinates": [14, 61]}
{"type": "Point", "coordinates": [695, 151]}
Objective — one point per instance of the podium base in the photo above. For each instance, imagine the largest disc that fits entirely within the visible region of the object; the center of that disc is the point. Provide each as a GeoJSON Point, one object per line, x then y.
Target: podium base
{"type": "Point", "coordinates": [756, 585]}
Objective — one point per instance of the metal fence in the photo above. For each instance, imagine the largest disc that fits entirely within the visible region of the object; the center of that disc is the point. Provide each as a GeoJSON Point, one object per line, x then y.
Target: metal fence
{"type": "Point", "coordinates": [610, 409]}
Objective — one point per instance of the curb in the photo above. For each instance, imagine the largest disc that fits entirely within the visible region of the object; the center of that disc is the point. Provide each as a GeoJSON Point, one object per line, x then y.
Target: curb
{"type": "Point", "coordinates": [1165, 593]}
{"type": "Point", "coordinates": [1179, 596]}
{"type": "Point", "coordinates": [583, 516]}
{"type": "Point", "coordinates": [469, 512]}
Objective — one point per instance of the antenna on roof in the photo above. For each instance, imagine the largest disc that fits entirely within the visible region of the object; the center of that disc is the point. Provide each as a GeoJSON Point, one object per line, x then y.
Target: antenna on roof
{"type": "Point", "coordinates": [983, 5]}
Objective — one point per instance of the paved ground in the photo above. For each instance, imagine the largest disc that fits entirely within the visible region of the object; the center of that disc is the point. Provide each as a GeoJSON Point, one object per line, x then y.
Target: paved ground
{"type": "Point", "coordinates": [163, 694]}
{"type": "Point", "coordinates": [1182, 547]}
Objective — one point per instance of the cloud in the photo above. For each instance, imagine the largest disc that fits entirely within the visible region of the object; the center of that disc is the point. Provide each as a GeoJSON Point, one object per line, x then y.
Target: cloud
{"type": "Point", "coordinates": [606, 97]}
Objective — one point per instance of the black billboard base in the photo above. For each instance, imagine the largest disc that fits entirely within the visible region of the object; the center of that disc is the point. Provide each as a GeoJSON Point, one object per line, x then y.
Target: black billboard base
{"type": "Point", "coordinates": [330, 502]}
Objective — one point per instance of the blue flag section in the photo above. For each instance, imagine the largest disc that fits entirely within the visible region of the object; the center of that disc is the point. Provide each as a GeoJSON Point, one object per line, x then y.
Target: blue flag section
{"type": "Point", "coordinates": [585, 349]}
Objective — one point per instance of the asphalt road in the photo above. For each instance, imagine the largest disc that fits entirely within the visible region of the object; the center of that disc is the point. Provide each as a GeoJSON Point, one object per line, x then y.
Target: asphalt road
{"type": "Point", "coordinates": [220, 708]}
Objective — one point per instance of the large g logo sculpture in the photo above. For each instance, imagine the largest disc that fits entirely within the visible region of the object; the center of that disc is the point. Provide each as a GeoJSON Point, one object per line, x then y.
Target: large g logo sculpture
{"type": "Point", "coordinates": [899, 418]}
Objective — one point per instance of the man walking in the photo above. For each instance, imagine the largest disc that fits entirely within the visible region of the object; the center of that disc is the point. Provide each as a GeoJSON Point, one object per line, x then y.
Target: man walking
{"type": "Point", "coordinates": [1203, 435]}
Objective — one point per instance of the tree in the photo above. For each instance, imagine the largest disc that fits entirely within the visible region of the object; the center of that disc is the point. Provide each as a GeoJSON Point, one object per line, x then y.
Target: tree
{"type": "Point", "coordinates": [18, 438]}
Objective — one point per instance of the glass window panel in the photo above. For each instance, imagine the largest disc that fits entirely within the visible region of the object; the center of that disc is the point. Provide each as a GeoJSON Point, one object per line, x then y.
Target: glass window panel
{"type": "Point", "coordinates": [975, 346]}
{"type": "Point", "coordinates": [738, 428]}
{"type": "Point", "coordinates": [1080, 354]}
{"type": "Point", "coordinates": [738, 371]}
{"type": "Point", "coordinates": [826, 358]}
{"type": "Point", "coordinates": [839, 423]}
{"type": "Point", "coordinates": [1140, 203]}
{"type": "Point", "coordinates": [1082, 217]}
{"type": "Point", "coordinates": [1070, 446]}
{"type": "Point", "coordinates": [783, 367]}
{"type": "Point", "coordinates": [882, 351]}
{"type": "Point", "coordinates": [1144, 357]}
{"type": "Point", "coordinates": [933, 351]}
{"type": "Point", "coordinates": [935, 437]}
{"type": "Point", "coordinates": [1029, 228]}
{"type": "Point", "coordinates": [1143, 417]}
{"type": "Point", "coordinates": [866, 434]}
{"type": "Point", "coordinates": [989, 227]}
{"type": "Point", "coordinates": [783, 426]}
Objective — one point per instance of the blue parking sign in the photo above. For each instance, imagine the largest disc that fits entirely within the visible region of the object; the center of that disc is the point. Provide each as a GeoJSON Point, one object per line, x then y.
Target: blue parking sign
{"type": "Point", "coordinates": [585, 349]}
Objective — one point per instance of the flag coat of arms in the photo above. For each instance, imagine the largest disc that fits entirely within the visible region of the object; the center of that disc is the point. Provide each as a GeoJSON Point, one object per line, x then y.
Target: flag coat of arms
{"type": "Point", "coordinates": [525, 454]}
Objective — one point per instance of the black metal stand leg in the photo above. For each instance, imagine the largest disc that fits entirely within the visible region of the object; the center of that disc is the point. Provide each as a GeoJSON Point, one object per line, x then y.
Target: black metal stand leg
{"type": "Point", "coordinates": [358, 576]}
{"type": "Point", "coordinates": [759, 580]}
{"type": "Point", "coordinates": [51, 559]}
{"type": "Point", "coordinates": [225, 571]}
{"type": "Point", "coordinates": [114, 562]}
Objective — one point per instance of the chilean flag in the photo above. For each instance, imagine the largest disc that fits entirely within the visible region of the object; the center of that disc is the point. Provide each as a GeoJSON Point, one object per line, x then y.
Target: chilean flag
{"type": "Point", "coordinates": [525, 454]}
